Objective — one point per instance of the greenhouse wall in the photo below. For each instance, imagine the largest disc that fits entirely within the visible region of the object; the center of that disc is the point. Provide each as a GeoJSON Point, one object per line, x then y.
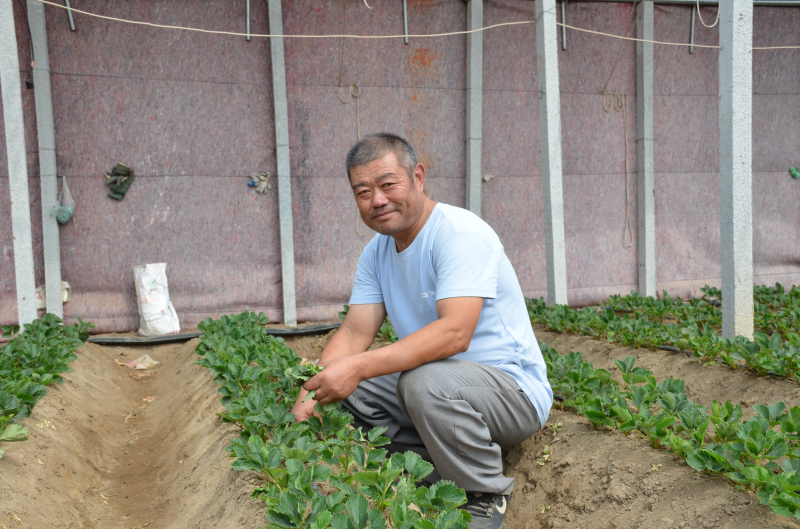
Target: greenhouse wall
{"type": "Point", "coordinates": [193, 115]}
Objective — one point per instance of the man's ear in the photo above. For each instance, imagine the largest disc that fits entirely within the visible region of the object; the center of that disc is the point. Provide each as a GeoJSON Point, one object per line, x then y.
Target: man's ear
{"type": "Point", "coordinates": [419, 177]}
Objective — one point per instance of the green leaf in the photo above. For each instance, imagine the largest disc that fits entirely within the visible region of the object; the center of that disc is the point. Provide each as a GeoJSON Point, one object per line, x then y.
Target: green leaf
{"type": "Point", "coordinates": [279, 519]}
{"type": "Point", "coordinates": [368, 478]}
{"type": "Point", "coordinates": [275, 457]}
{"type": "Point", "coordinates": [375, 433]}
{"type": "Point", "coordinates": [341, 521]}
{"type": "Point", "coordinates": [791, 465]}
{"type": "Point", "coordinates": [14, 432]}
{"type": "Point", "coordinates": [296, 454]}
{"type": "Point", "coordinates": [785, 504]}
{"type": "Point", "coordinates": [359, 455]}
{"type": "Point", "coordinates": [402, 517]}
{"type": "Point", "coordinates": [416, 466]}
{"type": "Point", "coordinates": [246, 464]}
{"type": "Point", "coordinates": [357, 507]}
{"type": "Point", "coordinates": [376, 519]}
{"type": "Point", "coordinates": [289, 505]}
{"type": "Point", "coordinates": [449, 493]}
{"type": "Point", "coordinates": [294, 466]}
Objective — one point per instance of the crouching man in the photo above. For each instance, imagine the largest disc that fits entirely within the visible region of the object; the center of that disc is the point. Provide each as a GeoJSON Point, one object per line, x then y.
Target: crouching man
{"type": "Point", "coordinates": [466, 376]}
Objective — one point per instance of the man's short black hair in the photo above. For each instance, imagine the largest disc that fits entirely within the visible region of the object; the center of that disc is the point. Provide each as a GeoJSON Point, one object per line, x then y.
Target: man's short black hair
{"type": "Point", "coordinates": [375, 146]}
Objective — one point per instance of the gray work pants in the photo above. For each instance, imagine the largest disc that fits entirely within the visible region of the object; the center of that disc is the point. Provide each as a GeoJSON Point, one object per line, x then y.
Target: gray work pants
{"type": "Point", "coordinates": [454, 413]}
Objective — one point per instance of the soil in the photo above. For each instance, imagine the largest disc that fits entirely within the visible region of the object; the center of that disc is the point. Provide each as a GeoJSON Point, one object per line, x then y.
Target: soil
{"type": "Point", "coordinates": [102, 453]}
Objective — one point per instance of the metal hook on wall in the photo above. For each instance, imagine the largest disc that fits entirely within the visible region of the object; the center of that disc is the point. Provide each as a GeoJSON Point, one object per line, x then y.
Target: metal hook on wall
{"type": "Point", "coordinates": [405, 21]}
{"type": "Point", "coordinates": [69, 15]}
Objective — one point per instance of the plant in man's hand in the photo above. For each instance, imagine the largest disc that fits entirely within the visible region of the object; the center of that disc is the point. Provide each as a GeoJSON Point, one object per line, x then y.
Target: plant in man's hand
{"type": "Point", "coordinates": [300, 373]}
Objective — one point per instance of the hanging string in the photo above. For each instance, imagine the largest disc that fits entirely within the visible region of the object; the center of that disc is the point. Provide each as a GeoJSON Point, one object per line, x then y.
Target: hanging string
{"type": "Point", "coordinates": [619, 103]}
{"type": "Point", "coordinates": [380, 37]}
{"type": "Point", "coordinates": [701, 16]}
{"type": "Point", "coordinates": [353, 91]}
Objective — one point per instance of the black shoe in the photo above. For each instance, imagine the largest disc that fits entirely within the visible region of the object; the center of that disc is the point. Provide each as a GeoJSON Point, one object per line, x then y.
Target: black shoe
{"type": "Point", "coordinates": [487, 510]}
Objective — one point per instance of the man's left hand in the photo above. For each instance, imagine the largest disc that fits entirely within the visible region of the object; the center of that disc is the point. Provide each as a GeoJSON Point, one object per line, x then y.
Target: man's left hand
{"type": "Point", "coordinates": [337, 381]}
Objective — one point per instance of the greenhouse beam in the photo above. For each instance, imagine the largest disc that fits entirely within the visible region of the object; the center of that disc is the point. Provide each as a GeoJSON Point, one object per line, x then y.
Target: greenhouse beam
{"type": "Point", "coordinates": [735, 166]}
{"type": "Point", "coordinates": [644, 152]}
{"type": "Point", "coordinates": [17, 165]}
{"type": "Point", "coordinates": [550, 144]}
{"type": "Point", "coordinates": [282, 157]}
{"type": "Point", "coordinates": [45, 132]}
{"type": "Point", "coordinates": [474, 106]}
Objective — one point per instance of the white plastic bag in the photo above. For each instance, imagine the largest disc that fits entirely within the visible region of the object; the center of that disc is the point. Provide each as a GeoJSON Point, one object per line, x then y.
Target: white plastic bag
{"type": "Point", "coordinates": [66, 204]}
{"type": "Point", "coordinates": [41, 295]}
{"type": "Point", "coordinates": [156, 314]}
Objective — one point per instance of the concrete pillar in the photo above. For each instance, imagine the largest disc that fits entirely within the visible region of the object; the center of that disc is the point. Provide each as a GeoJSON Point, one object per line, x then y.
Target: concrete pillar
{"type": "Point", "coordinates": [735, 165]}
{"type": "Point", "coordinates": [17, 166]}
{"type": "Point", "coordinates": [282, 155]}
{"type": "Point", "coordinates": [644, 152]}
{"type": "Point", "coordinates": [47, 158]}
{"type": "Point", "coordinates": [550, 140]}
{"type": "Point", "coordinates": [474, 106]}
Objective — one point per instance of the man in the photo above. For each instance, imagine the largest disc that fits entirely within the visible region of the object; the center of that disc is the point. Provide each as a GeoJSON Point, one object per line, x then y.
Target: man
{"type": "Point", "coordinates": [466, 375]}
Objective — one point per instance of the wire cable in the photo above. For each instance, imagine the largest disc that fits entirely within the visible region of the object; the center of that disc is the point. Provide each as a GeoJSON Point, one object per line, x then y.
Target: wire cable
{"type": "Point", "coordinates": [701, 16]}
{"type": "Point", "coordinates": [379, 37]}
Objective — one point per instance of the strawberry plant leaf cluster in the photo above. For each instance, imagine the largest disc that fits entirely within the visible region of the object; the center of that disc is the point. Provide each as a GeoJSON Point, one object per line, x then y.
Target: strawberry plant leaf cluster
{"type": "Point", "coordinates": [321, 472]}
{"type": "Point", "coordinates": [761, 454]}
{"type": "Point", "coordinates": [32, 360]}
{"type": "Point", "coordinates": [693, 326]}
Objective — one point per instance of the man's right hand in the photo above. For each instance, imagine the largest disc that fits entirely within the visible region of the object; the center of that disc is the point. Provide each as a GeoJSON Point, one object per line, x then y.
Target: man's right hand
{"type": "Point", "coordinates": [304, 410]}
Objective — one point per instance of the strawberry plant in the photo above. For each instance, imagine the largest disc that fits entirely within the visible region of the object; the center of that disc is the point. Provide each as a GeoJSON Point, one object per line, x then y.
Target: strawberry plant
{"type": "Point", "coordinates": [691, 326]}
{"type": "Point", "coordinates": [754, 454]}
{"type": "Point", "coordinates": [319, 473]}
{"type": "Point", "coordinates": [30, 361]}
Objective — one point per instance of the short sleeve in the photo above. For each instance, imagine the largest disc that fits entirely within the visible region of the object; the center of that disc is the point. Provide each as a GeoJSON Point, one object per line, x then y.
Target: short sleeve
{"type": "Point", "coordinates": [466, 265]}
{"type": "Point", "coordinates": [367, 285]}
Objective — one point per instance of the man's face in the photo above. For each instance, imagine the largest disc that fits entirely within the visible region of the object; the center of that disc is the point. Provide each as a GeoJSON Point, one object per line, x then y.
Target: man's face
{"type": "Point", "coordinates": [388, 199]}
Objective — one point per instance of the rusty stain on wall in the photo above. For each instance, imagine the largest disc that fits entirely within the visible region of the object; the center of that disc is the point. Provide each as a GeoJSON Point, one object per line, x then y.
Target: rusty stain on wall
{"type": "Point", "coordinates": [423, 58]}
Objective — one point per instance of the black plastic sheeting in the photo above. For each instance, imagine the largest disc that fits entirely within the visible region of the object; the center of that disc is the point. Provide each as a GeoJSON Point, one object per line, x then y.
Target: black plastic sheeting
{"type": "Point", "coordinates": [184, 336]}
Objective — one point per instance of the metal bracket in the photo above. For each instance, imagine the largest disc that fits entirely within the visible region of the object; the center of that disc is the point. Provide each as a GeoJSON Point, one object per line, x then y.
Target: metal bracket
{"type": "Point", "coordinates": [563, 21]}
{"type": "Point", "coordinates": [405, 21]}
{"type": "Point", "coordinates": [69, 14]}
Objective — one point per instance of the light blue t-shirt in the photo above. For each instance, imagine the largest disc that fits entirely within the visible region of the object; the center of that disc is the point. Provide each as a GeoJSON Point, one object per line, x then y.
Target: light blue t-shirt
{"type": "Point", "coordinates": [456, 254]}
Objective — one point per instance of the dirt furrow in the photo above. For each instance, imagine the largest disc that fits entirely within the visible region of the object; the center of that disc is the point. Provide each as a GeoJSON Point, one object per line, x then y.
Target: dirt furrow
{"type": "Point", "coordinates": [604, 480]}
{"type": "Point", "coordinates": [102, 453]}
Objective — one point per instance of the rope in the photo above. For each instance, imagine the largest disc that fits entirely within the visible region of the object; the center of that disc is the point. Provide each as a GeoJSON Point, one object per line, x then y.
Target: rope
{"type": "Point", "coordinates": [354, 91]}
{"type": "Point", "coordinates": [379, 37]}
{"type": "Point", "coordinates": [619, 102]}
{"type": "Point", "coordinates": [701, 16]}
{"type": "Point", "coordinates": [631, 38]}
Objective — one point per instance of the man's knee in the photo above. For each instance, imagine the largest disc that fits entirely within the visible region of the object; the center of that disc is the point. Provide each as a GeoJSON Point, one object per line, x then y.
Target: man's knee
{"type": "Point", "coordinates": [416, 386]}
